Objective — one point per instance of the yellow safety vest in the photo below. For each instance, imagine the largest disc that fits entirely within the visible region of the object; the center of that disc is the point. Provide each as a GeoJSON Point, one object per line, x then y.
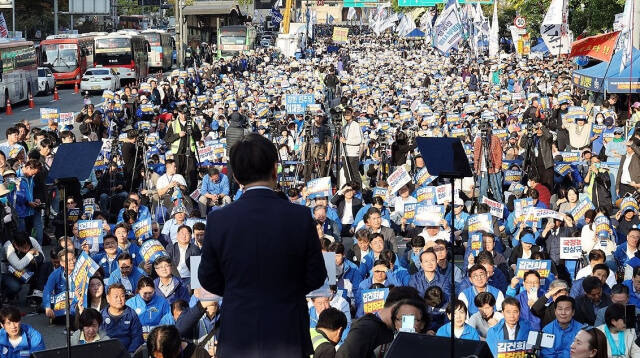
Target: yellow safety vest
{"type": "Point", "coordinates": [175, 145]}
{"type": "Point", "coordinates": [316, 339]}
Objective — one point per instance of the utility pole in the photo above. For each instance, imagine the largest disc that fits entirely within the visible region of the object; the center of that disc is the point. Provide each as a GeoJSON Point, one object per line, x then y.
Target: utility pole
{"type": "Point", "coordinates": [55, 16]}
{"type": "Point", "coordinates": [13, 19]}
{"type": "Point", "coordinates": [178, 14]}
{"type": "Point", "coordinates": [635, 32]}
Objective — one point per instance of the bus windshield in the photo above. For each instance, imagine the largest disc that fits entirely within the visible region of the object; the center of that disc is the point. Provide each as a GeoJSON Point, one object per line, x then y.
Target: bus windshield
{"type": "Point", "coordinates": [60, 57]}
{"type": "Point", "coordinates": [153, 38]}
{"type": "Point", "coordinates": [116, 51]}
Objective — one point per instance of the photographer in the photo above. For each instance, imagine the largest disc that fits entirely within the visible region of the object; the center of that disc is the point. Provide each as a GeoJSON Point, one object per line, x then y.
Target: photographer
{"type": "Point", "coordinates": [182, 135]}
{"type": "Point", "coordinates": [132, 152]}
{"type": "Point", "coordinates": [91, 125]}
{"type": "Point", "coordinates": [352, 140]}
{"type": "Point", "coordinates": [555, 124]}
{"type": "Point", "coordinates": [321, 146]}
{"type": "Point", "coordinates": [487, 159]}
{"type": "Point", "coordinates": [537, 142]}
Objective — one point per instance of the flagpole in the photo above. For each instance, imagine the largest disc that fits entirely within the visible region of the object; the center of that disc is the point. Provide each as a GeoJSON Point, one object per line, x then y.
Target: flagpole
{"type": "Point", "coordinates": [631, 31]}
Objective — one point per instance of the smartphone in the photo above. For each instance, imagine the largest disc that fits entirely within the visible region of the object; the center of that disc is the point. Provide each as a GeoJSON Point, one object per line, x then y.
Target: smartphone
{"type": "Point", "coordinates": [630, 316]}
{"type": "Point", "coordinates": [408, 323]}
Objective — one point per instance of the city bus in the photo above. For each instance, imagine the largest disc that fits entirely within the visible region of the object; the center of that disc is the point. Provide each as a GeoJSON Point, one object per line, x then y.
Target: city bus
{"type": "Point", "coordinates": [19, 71]}
{"type": "Point", "coordinates": [161, 44]}
{"type": "Point", "coordinates": [68, 56]}
{"type": "Point", "coordinates": [236, 39]}
{"type": "Point", "coordinates": [126, 52]}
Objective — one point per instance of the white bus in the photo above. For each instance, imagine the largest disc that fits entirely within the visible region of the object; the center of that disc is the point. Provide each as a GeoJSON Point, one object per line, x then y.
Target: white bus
{"type": "Point", "coordinates": [161, 53]}
{"type": "Point", "coordinates": [19, 71]}
{"type": "Point", "coordinates": [125, 52]}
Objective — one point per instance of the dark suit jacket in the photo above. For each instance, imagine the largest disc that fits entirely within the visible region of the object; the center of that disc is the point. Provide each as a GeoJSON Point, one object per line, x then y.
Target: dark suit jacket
{"type": "Point", "coordinates": [634, 169]}
{"type": "Point", "coordinates": [174, 254]}
{"type": "Point", "coordinates": [262, 253]}
{"type": "Point", "coordinates": [338, 201]}
{"type": "Point", "coordinates": [585, 311]}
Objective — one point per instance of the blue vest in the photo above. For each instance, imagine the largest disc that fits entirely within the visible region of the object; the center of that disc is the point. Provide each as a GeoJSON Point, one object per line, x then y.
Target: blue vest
{"type": "Point", "coordinates": [470, 293]}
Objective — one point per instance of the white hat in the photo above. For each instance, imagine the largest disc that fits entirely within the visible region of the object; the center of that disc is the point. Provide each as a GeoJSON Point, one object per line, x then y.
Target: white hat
{"type": "Point", "coordinates": [143, 97]}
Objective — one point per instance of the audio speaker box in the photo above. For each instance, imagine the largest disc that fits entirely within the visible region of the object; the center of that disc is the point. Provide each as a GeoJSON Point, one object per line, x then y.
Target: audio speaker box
{"type": "Point", "coordinates": [111, 348]}
{"type": "Point", "coordinates": [408, 344]}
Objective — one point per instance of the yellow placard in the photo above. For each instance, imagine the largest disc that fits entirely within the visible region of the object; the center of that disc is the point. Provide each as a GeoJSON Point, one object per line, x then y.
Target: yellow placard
{"type": "Point", "coordinates": [340, 34]}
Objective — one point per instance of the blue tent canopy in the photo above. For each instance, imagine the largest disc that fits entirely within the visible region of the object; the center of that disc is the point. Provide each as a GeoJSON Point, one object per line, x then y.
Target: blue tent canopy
{"type": "Point", "coordinates": [415, 33]}
{"type": "Point", "coordinates": [540, 47]}
{"type": "Point", "coordinates": [593, 78]}
{"type": "Point", "coordinates": [627, 81]}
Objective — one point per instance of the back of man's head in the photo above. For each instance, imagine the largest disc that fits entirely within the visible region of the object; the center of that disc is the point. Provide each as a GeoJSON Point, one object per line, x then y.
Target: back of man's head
{"type": "Point", "coordinates": [253, 159]}
{"type": "Point", "coordinates": [332, 319]}
{"type": "Point", "coordinates": [400, 293]}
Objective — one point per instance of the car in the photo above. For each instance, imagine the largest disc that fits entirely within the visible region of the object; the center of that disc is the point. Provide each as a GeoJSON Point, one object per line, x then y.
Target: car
{"type": "Point", "coordinates": [266, 42]}
{"type": "Point", "coordinates": [100, 79]}
{"type": "Point", "coordinates": [46, 81]}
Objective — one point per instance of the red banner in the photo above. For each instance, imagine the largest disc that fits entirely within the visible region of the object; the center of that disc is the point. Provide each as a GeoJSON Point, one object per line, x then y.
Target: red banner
{"type": "Point", "coordinates": [600, 47]}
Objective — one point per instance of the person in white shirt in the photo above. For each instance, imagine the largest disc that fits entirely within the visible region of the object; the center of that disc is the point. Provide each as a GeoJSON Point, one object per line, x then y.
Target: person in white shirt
{"type": "Point", "coordinates": [404, 197]}
{"type": "Point", "coordinates": [168, 182]}
{"type": "Point", "coordinates": [596, 256]}
{"type": "Point", "coordinates": [352, 139]}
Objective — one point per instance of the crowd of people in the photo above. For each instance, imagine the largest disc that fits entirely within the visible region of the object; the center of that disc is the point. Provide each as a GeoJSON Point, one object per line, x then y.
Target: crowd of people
{"type": "Point", "coordinates": [546, 230]}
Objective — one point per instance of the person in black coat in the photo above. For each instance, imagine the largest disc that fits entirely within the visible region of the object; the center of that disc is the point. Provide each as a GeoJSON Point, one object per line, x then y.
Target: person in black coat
{"type": "Point", "coordinates": [262, 254]}
{"type": "Point", "coordinates": [591, 301]}
{"type": "Point", "coordinates": [183, 242]}
{"type": "Point", "coordinates": [343, 197]}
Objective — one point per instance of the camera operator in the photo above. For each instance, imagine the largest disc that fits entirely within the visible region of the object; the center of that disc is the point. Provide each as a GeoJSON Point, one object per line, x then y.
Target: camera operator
{"type": "Point", "coordinates": [533, 112]}
{"type": "Point", "coordinates": [321, 145]}
{"type": "Point", "coordinates": [555, 124]}
{"type": "Point", "coordinates": [183, 134]}
{"type": "Point", "coordinates": [400, 149]}
{"type": "Point", "coordinates": [132, 152]}
{"type": "Point", "coordinates": [91, 125]}
{"type": "Point", "coordinates": [487, 159]}
{"type": "Point", "coordinates": [539, 158]}
{"type": "Point", "coordinates": [352, 139]}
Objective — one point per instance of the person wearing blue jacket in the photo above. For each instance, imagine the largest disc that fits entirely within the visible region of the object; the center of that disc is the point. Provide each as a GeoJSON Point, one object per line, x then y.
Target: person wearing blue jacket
{"type": "Point", "coordinates": [510, 328]}
{"type": "Point", "coordinates": [56, 284]}
{"type": "Point", "coordinates": [461, 330]}
{"type": "Point", "coordinates": [169, 286]}
{"type": "Point", "coordinates": [429, 275]}
{"type": "Point", "coordinates": [214, 191]}
{"type": "Point", "coordinates": [108, 259]}
{"type": "Point", "coordinates": [332, 213]}
{"type": "Point", "coordinates": [149, 306]}
{"type": "Point", "coordinates": [564, 328]}
{"type": "Point", "coordinates": [143, 210]}
{"type": "Point", "coordinates": [382, 276]}
{"type": "Point", "coordinates": [529, 292]}
{"type": "Point", "coordinates": [29, 340]}
{"type": "Point", "coordinates": [126, 274]}
{"type": "Point", "coordinates": [479, 283]}
{"type": "Point", "coordinates": [378, 202]}
{"type": "Point", "coordinates": [25, 203]}
{"type": "Point", "coordinates": [120, 321]}
{"type": "Point", "coordinates": [121, 232]}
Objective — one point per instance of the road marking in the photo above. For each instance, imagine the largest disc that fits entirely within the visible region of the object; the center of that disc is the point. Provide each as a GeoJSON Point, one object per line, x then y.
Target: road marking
{"type": "Point", "coordinates": [26, 109]}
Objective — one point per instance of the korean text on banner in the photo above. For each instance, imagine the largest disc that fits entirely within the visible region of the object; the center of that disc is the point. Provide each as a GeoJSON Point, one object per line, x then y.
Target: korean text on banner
{"type": "Point", "coordinates": [373, 300]}
{"type": "Point", "coordinates": [84, 269]}
{"type": "Point", "coordinates": [398, 179]}
{"type": "Point", "coordinates": [570, 248]}
{"type": "Point", "coordinates": [340, 34]}
{"type": "Point", "coordinates": [91, 232]}
{"type": "Point", "coordinates": [142, 229]}
{"type": "Point", "coordinates": [151, 250]}
{"type": "Point", "coordinates": [319, 187]}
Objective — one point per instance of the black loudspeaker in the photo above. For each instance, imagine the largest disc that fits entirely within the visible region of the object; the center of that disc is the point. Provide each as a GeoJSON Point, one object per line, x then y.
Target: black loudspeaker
{"type": "Point", "coordinates": [408, 344]}
{"type": "Point", "coordinates": [111, 348]}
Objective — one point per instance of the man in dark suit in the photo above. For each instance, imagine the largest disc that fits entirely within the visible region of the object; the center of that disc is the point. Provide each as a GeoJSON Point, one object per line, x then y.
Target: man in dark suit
{"type": "Point", "coordinates": [262, 253]}
{"type": "Point", "coordinates": [348, 206]}
{"type": "Point", "coordinates": [629, 173]}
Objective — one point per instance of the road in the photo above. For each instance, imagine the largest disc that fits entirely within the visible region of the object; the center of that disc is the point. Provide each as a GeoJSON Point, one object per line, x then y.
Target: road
{"type": "Point", "coordinates": [69, 102]}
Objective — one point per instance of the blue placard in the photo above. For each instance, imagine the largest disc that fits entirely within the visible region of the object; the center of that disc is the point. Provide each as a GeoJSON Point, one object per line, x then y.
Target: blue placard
{"type": "Point", "coordinates": [297, 103]}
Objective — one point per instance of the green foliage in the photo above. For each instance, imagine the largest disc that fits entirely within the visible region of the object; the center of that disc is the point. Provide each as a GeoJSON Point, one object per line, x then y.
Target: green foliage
{"type": "Point", "coordinates": [128, 7]}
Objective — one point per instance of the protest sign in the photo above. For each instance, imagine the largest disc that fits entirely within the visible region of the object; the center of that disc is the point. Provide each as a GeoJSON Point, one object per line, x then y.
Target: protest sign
{"type": "Point", "coordinates": [480, 222]}
{"type": "Point", "coordinates": [47, 114]}
{"type": "Point", "coordinates": [108, 95]}
{"type": "Point", "coordinates": [562, 169]}
{"type": "Point", "coordinates": [340, 34]}
{"type": "Point", "coordinates": [628, 203]}
{"type": "Point", "coordinates": [82, 272]}
{"type": "Point", "coordinates": [512, 176]}
{"type": "Point", "coordinates": [570, 248]}
{"type": "Point", "coordinates": [443, 193]}
{"type": "Point", "coordinates": [398, 179]}
{"type": "Point", "coordinates": [570, 157]}
{"type": "Point", "coordinates": [475, 243]}
{"type": "Point", "coordinates": [142, 229]}
{"type": "Point", "coordinates": [151, 250]}
{"type": "Point", "coordinates": [381, 192]}
{"type": "Point", "coordinates": [319, 187]}
{"type": "Point", "coordinates": [423, 178]}
{"type": "Point", "coordinates": [373, 299]}
{"type": "Point", "coordinates": [581, 208]}
{"type": "Point", "coordinates": [428, 215]}
{"type": "Point", "coordinates": [89, 209]}
{"type": "Point", "coordinates": [65, 119]}
{"type": "Point", "coordinates": [540, 213]}
{"type": "Point", "coordinates": [543, 267]}
{"type": "Point", "coordinates": [297, 103]}
{"type": "Point", "coordinates": [22, 275]}
{"type": "Point", "coordinates": [495, 208]}
{"type": "Point", "coordinates": [426, 195]}
{"type": "Point", "coordinates": [90, 231]}
{"type": "Point", "coordinates": [602, 226]}
{"type": "Point", "coordinates": [59, 303]}
{"type": "Point", "coordinates": [410, 212]}
{"type": "Point", "coordinates": [73, 214]}
{"type": "Point", "coordinates": [512, 349]}
{"type": "Point", "coordinates": [205, 153]}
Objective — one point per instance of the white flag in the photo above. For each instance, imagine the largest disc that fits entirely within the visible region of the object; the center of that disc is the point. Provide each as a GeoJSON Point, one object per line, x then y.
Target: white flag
{"type": "Point", "coordinates": [493, 34]}
{"type": "Point", "coordinates": [4, 32]}
{"type": "Point", "coordinates": [351, 14]}
{"type": "Point", "coordinates": [448, 29]}
{"type": "Point", "coordinates": [624, 41]}
{"type": "Point", "coordinates": [554, 29]}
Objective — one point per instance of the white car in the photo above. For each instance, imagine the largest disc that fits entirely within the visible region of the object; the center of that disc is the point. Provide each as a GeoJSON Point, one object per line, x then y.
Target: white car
{"type": "Point", "coordinates": [46, 81]}
{"type": "Point", "coordinates": [99, 79]}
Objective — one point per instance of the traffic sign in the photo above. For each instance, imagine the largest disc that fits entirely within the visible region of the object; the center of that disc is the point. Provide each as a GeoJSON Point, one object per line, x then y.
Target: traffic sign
{"type": "Point", "coordinates": [520, 22]}
{"type": "Point", "coordinates": [360, 3]}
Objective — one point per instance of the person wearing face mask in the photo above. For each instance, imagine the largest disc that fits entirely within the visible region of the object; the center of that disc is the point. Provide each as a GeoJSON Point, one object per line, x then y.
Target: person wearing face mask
{"type": "Point", "coordinates": [461, 330]}
{"type": "Point", "coordinates": [89, 328]}
{"type": "Point", "coordinates": [149, 306]}
{"type": "Point", "coordinates": [528, 295]}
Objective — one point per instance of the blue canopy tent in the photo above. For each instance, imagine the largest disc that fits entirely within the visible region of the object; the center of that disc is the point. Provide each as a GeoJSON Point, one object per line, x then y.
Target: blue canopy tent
{"type": "Point", "coordinates": [540, 47]}
{"type": "Point", "coordinates": [415, 33]}
{"type": "Point", "coordinates": [627, 81]}
{"type": "Point", "coordinates": [593, 78]}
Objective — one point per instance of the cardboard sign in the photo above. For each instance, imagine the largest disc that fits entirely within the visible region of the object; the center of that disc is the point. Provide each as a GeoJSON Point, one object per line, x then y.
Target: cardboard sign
{"type": "Point", "coordinates": [543, 267]}
{"type": "Point", "coordinates": [410, 212]}
{"type": "Point", "coordinates": [480, 222]}
{"type": "Point", "coordinates": [423, 177]}
{"type": "Point", "coordinates": [428, 215]}
{"type": "Point", "coordinates": [496, 208]}
{"type": "Point", "coordinates": [399, 178]}
{"type": "Point", "coordinates": [142, 229]}
{"type": "Point", "coordinates": [570, 248]}
{"type": "Point", "coordinates": [373, 300]}
{"type": "Point", "coordinates": [581, 208]}
{"type": "Point", "coordinates": [512, 349]}
{"type": "Point", "coordinates": [319, 187]}
{"type": "Point", "coordinates": [82, 272]}
{"type": "Point", "coordinates": [426, 195]}
{"type": "Point", "coordinates": [91, 232]}
{"type": "Point", "coordinates": [151, 250]}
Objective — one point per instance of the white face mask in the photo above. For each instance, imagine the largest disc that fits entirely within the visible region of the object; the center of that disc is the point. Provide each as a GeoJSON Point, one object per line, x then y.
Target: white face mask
{"type": "Point", "coordinates": [599, 120]}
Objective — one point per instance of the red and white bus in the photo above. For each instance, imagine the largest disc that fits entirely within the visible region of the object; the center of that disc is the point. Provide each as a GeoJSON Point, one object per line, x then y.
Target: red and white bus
{"type": "Point", "coordinates": [68, 56]}
{"type": "Point", "coordinates": [19, 71]}
{"type": "Point", "coordinates": [124, 51]}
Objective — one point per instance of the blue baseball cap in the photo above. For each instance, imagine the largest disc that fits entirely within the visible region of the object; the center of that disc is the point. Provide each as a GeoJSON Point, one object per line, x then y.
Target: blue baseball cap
{"type": "Point", "coordinates": [528, 238]}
